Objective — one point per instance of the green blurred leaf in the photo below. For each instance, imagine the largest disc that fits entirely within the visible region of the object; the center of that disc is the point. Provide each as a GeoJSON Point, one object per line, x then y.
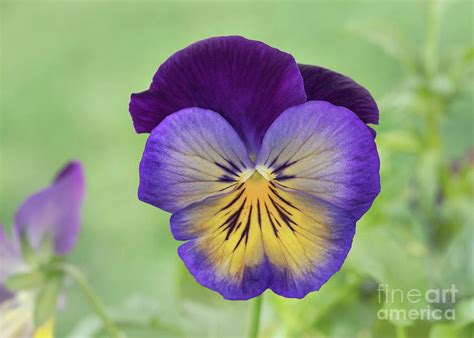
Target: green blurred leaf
{"type": "Point", "coordinates": [389, 40]}
{"type": "Point", "coordinates": [27, 251]}
{"type": "Point", "coordinates": [24, 281]}
{"type": "Point", "coordinates": [428, 183]}
{"type": "Point", "coordinates": [45, 251]}
{"type": "Point", "coordinates": [465, 312]}
{"type": "Point", "coordinates": [218, 320]}
{"type": "Point", "coordinates": [460, 62]}
{"type": "Point", "coordinates": [46, 301]}
{"type": "Point", "coordinates": [442, 85]}
{"type": "Point", "coordinates": [299, 315]}
{"type": "Point", "coordinates": [444, 331]}
{"type": "Point", "coordinates": [456, 265]}
{"type": "Point", "coordinates": [399, 140]}
{"type": "Point", "coordinates": [359, 317]}
{"type": "Point", "coordinates": [139, 314]}
{"type": "Point", "coordinates": [383, 255]}
{"type": "Point", "coordinates": [86, 328]}
{"type": "Point", "coordinates": [188, 288]}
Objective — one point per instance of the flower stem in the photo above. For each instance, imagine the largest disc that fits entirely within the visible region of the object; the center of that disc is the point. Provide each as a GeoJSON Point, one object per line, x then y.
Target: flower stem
{"type": "Point", "coordinates": [255, 317]}
{"type": "Point", "coordinates": [86, 288]}
{"type": "Point", "coordinates": [432, 36]}
{"type": "Point", "coordinates": [400, 331]}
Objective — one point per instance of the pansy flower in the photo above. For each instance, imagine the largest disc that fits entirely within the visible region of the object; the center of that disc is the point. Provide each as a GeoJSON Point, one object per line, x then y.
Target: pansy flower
{"type": "Point", "coordinates": [265, 165]}
{"type": "Point", "coordinates": [45, 228]}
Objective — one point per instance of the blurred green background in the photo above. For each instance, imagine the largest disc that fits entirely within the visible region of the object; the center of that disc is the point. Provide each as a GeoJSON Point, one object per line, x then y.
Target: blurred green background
{"type": "Point", "coordinates": [68, 69]}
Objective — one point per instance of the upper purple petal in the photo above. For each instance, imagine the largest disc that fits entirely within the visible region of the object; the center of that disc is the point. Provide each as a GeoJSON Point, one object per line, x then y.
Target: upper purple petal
{"type": "Point", "coordinates": [54, 211]}
{"type": "Point", "coordinates": [248, 82]}
{"type": "Point", "coordinates": [325, 85]}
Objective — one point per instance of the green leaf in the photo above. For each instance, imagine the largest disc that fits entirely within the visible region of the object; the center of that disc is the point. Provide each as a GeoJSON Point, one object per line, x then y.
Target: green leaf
{"type": "Point", "coordinates": [428, 171]}
{"type": "Point", "coordinates": [188, 288]}
{"type": "Point", "coordinates": [465, 312]}
{"type": "Point", "coordinates": [45, 250]}
{"type": "Point", "coordinates": [460, 62]}
{"type": "Point", "coordinates": [39, 255]}
{"type": "Point", "coordinates": [301, 315]}
{"type": "Point", "coordinates": [217, 320]}
{"type": "Point", "coordinates": [400, 141]}
{"type": "Point", "coordinates": [383, 255]}
{"type": "Point", "coordinates": [389, 40]}
{"type": "Point", "coordinates": [456, 265]}
{"type": "Point", "coordinates": [24, 281]}
{"type": "Point", "coordinates": [86, 328]}
{"type": "Point", "coordinates": [444, 331]}
{"type": "Point", "coordinates": [26, 250]}
{"type": "Point", "coordinates": [46, 301]}
{"type": "Point", "coordinates": [139, 316]}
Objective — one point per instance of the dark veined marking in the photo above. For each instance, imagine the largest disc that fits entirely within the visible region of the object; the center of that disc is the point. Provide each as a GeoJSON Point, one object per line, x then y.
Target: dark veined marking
{"type": "Point", "coordinates": [279, 213]}
{"type": "Point", "coordinates": [274, 161]}
{"type": "Point", "coordinates": [245, 232]}
{"type": "Point", "coordinates": [280, 208]}
{"type": "Point", "coordinates": [275, 230]}
{"type": "Point", "coordinates": [284, 166]}
{"type": "Point", "coordinates": [226, 178]}
{"type": "Point", "coordinates": [284, 214]}
{"type": "Point", "coordinates": [227, 169]}
{"type": "Point", "coordinates": [285, 177]}
{"type": "Point", "coordinates": [231, 221]}
{"type": "Point", "coordinates": [278, 171]}
{"type": "Point", "coordinates": [280, 184]}
{"type": "Point", "coordinates": [232, 171]}
{"type": "Point", "coordinates": [228, 187]}
{"type": "Point", "coordinates": [259, 214]}
{"type": "Point", "coordinates": [228, 205]}
{"type": "Point", "coordinates": [277, 194]}
{"type": "Point", "coordinates": [233, 165]}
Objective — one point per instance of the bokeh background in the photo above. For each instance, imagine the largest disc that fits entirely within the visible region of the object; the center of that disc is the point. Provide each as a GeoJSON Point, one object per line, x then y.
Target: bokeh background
{"type": "Point", "coordinates": [68, 69]}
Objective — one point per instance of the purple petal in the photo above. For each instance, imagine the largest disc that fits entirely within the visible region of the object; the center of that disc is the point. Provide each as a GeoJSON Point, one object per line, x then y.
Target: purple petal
{"type": "Point", "coordinates": [325, 85]}
{"type": "Point", "coordinates": [325, 151]}
{"type": "Point", "coordinates": [254, 281]}
{"type": "Point", "coordinates": [4, 294]}
{"type": "Point", "coordinates": [11, 262]}
{"type": "Point", "coordinates": [261, 236]}
{"type": "Point", "coordinates": [325, 233]}
{"type": "Point", "coordinates": [54, 211]}
{"type": "Point", "coordinates": [248, 82]}
{"type": "Point", "coordinates": [193, 154]}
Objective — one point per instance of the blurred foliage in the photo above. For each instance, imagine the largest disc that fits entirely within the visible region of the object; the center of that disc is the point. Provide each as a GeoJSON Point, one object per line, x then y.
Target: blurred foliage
{"type": "Point", "coordinates": [67, 71]}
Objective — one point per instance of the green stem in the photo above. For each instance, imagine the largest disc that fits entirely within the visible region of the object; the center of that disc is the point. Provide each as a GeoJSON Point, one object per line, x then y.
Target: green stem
{"type": "Point", "coordinates": [400, 331]}
{"type": "Point", "coordinates": [255, 317]}
{"type": "Point", "coordinates": [432, 36]}
{"type": "Point", "coordinates": [86, 288]}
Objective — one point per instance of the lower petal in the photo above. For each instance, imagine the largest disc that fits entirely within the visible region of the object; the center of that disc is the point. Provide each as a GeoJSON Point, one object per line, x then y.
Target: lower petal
{"type": "Point", "coordinates": [261, 236]}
